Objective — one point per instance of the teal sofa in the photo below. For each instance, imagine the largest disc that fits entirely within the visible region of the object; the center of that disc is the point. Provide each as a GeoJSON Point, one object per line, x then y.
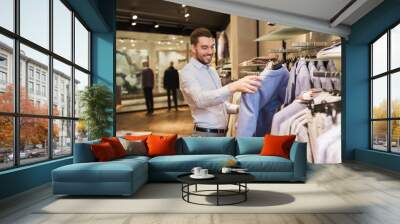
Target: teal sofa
{"type": "Point", "coordinates": [125, 176]}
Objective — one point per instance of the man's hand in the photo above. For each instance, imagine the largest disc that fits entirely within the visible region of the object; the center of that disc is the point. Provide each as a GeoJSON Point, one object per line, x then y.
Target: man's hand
{"type": "Point", "coordinates": [248, 84]}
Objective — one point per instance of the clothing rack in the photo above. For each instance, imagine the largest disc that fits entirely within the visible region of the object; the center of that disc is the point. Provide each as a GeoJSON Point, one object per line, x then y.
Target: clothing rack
{"type": "Point", "coordinates": [327, 74]}
{"type": "Point", "coordinates": [330, 108]}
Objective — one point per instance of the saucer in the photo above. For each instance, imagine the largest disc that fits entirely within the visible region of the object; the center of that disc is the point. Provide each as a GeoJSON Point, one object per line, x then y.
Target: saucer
{"type": "Point", "coordinates": [208, 176]}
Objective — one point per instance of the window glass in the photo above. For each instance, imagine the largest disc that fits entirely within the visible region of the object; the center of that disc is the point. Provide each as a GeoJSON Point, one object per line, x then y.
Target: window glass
{"type": "Point", "coordinates": [39, 62]}
{"type": "Point", "coordinates": [62, 91]}
{"type": "Point", "coordinates": [395, 47]}
{"type": "Point", "coordinates": [395, 136]}
{"type": "Point", "coordinates": [379, 135]}
{"type": "Point", "coordinates": [6, 142]}
{"type": "Point", "coordinates": [33, 139]}
{"type": "Point", "coordinates": [62, 29]}
{"type": "Point", "coordinates": [379, 98]}
{"type": "Point", "coordinates": [34, 21]}
{"type": "Point", "coordinates": [81, 131]}
{"type": "Point", "coordinates": [6, 74]}
{"type": "Point", "coordinates": [81, 45]}
{"type": "Point", "coordinates": [7, 14]}
{"type": "Point", "coordinates": [379, 56]}
{"type": "Point", "coordinates": [62, 138]}
{"type": "Point", "coordinates": [81, 82]}
{"type": "Point", "coordinates": [395, 94]}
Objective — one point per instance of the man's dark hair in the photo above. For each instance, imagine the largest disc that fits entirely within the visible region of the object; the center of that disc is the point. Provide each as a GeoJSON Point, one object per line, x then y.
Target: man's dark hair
{"type": "Point", "coordinates": [199, 32]}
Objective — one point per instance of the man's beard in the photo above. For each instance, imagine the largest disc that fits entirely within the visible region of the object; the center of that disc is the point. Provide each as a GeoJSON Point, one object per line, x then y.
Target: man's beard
{"type": "Point", "coordinates": [204, 62]}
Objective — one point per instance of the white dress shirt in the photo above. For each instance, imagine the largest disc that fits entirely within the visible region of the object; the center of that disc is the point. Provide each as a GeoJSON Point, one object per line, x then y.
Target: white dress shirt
{"type": "Point", "coordinates": [207, 99]}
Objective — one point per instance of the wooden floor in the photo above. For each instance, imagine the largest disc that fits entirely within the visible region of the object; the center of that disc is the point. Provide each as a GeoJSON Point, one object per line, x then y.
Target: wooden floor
{"type": "Point", "coordinates": [161, 121]}
{"type": "Point", "coordinates": [378, 189]}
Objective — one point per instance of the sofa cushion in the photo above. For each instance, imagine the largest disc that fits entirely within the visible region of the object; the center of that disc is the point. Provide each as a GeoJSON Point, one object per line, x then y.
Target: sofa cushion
{"type": "Point", "coordinates": [160, 145]}
{"type": "Point", "coordinates": [112, 171]}
{"type": "Point", "coordinates": [257, 163]}
{"type": "Point", "coordinates": [103, 152]}
{"type": "Point", "coordinates": [116, 145]}
{"type": "Point", "coordinates": [249, 145]}
{"type": "Point", "coordinates": [185, 163]}
{"type": "Point", "coordinates": [134, 147]}
{"type": "Point", "coordinates": [277, 145]}
{"type": "Point", "coordinates": [206, 145]}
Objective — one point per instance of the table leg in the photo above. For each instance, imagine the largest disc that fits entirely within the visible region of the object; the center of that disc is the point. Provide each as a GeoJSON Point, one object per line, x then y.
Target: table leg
{"type": "Point", "coordinates": [217, 194]}
{"type": "Point", "coordinates": [245, 193]}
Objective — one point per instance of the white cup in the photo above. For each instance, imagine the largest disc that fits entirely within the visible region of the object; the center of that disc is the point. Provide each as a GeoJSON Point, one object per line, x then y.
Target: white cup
{"type": "Point", "coordinates": [196, 171]}
{"type": "Point", "coordinates": [226, 170]}
{"type": "Point", "coordinates": [203, 172]}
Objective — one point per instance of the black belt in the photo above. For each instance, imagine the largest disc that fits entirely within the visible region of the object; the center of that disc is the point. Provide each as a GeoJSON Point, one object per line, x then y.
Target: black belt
{"type": "Point", "coordinates": [210, 130]}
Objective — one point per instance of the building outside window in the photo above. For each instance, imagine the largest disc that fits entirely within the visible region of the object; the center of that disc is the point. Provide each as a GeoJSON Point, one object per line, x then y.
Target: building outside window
{"type": "Point", "coordinates": [34, 75]}
{"type": "Point", "coordinates": [385, 97]}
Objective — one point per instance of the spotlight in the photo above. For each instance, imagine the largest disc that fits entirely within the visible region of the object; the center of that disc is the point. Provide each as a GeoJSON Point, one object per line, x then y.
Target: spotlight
{"type": "Point", "coordinates": [181, 41]}
{"type": "Point", "coordinates": [124, 48]}
{"type": "Point", "coordinates": [187, 15]}
{"type": "Point", "coordinates": [156, 26]}
{"type": "Point", "coordinates": [131, 41]}
{"type": "Point", "coordinates": [134, 17]}
{"type": "Point", "coordinates": [133, 45]}
{"type": "Point", "coordinates": [133, 23]}
{"type": "Point", "coordinates": [183, 6]}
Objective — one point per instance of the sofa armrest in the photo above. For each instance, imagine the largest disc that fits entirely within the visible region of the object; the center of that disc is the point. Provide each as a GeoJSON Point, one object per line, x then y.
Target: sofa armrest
{"type": "Point", "coordinates": [83, 152]}
{"type": "Point", "coordinates": [298, 155]}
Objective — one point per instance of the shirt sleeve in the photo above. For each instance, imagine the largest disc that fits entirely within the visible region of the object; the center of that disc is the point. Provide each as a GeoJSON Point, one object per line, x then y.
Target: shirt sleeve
{"type": "Point", "coordinates": [249, 109]}
{"type": "Point", "coordinates": [231, 108]}
{"type": "Point", "coordinates": [202, 98]}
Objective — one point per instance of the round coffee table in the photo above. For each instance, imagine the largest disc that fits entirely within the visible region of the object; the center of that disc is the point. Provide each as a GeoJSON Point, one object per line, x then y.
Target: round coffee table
{"type": "Point", "coordinates": [238, 179]}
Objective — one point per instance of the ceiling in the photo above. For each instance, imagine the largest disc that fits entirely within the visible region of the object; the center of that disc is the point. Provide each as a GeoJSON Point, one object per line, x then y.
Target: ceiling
{"type": "Point", "coordinates": [168, 15]}
{"type": "Point", "coordinates": [139, 40]}
{"type": "Point", "coordinates": [326, 16]}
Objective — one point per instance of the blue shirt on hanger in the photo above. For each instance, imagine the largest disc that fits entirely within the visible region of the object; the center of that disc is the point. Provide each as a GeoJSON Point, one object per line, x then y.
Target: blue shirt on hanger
{"type": "Point", "coordinates": [257, 109]}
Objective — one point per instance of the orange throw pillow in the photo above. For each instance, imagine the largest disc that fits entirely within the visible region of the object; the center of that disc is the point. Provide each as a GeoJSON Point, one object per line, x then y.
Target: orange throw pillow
{"type": "Point", "coordinates": [275, 145]}
{"type": "Point", "coordinates": [103, 151]}
{"type": "Point", "coordinates": [116, 145]}
{"type": "Point", "coordinates": [159, 145]}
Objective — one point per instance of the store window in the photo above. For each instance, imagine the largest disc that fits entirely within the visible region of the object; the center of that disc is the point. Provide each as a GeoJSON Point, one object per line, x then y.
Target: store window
{"type": "Point", "coordinates": [385, 97]}
{"type": "Point", "coordinates": [44, 112]}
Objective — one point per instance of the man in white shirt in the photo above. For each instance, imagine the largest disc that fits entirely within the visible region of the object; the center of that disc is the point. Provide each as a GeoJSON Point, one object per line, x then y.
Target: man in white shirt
{"type": "Point", "coordinates": [202, 89]}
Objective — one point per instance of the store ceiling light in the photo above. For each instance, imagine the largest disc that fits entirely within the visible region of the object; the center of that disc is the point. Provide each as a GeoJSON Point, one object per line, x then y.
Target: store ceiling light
{"type": "Point", "coordinates": [133, 45]}
{"type": "Point", "coordinates": [181, 41]}
{"type": "Point", "coordinates": [133, 23]}
{"type": "Point", "coordinates": [183, 6]}
{"type": "Point", "coordinates": [187, 15]}
{"type": "Point", "coordinates": [131, 41]}
{"type": "Point", "coordinates": [156, 26]}
{"type": "Point", "coordinates": [134, 17]}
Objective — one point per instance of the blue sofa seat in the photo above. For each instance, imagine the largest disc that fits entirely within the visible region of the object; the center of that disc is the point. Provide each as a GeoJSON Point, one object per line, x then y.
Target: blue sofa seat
{"type": "Point", "coordinates": [167, 168]}
{"type": "Point", "coordinates": [257, 163]}
{"type": "Point", "coordinates": [125, 176]}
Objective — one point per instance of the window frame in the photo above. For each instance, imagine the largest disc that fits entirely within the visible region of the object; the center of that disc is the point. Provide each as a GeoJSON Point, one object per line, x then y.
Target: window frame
{"type": "Point", "coordinates": [388, 74]}
{"type": "Point", "coordinates": [16, 114]}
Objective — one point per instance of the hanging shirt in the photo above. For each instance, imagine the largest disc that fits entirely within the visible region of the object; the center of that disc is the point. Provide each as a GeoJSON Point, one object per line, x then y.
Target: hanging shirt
{"type": "Point", "coordinates": [257, 109]}
{"type": "Point", "coordinates": [289, 95]}
{"type": "Point", "coordinates": [303, 78]}
{"type": "Point", "coordinates": [315, 80]}
{"type": "Point", "coordinates": [207, 99]}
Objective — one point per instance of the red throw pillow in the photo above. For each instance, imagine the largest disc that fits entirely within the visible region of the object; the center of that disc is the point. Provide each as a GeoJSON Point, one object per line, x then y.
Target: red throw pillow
{"type": "Point", "coordinates": [116, 145]}
{"type": "Point", "coordinates": [103, 151]}
{"type": "Point", "coordinates": [275, 145]}
{"type": "Point", "coordinates": [159, 145]}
